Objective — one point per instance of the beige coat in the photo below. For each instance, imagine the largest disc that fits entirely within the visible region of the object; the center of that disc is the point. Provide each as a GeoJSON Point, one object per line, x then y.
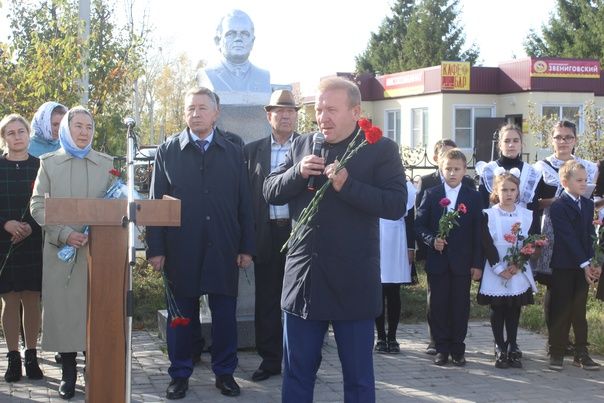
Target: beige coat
{"type": "Point", "coordinates": [64, 299]}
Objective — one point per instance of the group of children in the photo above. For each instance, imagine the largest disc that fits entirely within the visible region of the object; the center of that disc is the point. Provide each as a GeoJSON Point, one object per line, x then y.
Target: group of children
{"type": "Point", "coordinates": [498, 246]}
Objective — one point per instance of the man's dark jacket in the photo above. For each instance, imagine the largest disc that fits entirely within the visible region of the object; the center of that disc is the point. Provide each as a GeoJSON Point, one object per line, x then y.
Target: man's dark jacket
{"type": "Point", "coordinates": [258, 156]}
{"type": "Point", "coordinates": [216, 214]}
{"type": "Point", "coordinates": [334, 272]}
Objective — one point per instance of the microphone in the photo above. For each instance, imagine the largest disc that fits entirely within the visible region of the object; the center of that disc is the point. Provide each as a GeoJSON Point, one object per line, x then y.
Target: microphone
{"type": "Point", "coordinates": [129, 122]}
{"type": "Point", "coordinates": [317, 145]}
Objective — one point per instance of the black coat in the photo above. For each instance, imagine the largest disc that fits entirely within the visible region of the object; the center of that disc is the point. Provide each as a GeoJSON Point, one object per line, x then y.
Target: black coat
{"type": "Point", "coordinates": [464, 248]}
{"type": "Point", "coordinates": [216, 215]}
{"type": "Point", "coordinates": [334, 272]}
{"type": "Point", "coordinates": [258, 157]}
{"type": "Point", "coordinates": [573, 228]}
{"type": "Point", "coordinates": [427, 182]}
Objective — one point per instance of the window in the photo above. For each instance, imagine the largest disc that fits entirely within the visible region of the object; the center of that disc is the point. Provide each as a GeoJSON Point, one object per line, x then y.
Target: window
{"type": "Point", "coordinates": [419, 127]}
{"type": "Point", "coordinates": [464, 123]}
{"type": "Point", "coordinates": [565, 112]}
{"type": "Point", "coordinates": [393, 125]}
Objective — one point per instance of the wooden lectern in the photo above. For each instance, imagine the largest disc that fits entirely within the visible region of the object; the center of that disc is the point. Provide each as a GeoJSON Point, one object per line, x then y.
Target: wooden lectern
{"type": "Point", "coordinates": [107, 281]}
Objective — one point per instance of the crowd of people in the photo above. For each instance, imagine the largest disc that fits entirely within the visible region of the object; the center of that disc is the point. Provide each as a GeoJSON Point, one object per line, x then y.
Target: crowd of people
{"type": "Point", "coordinates": [239, 205]}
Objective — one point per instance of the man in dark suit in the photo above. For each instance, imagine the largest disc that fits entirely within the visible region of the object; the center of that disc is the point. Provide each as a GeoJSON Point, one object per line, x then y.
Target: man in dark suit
{"type": "Point", "coordinates": [572, 269]}
{"type": "Point", "coordinates": [332, 273]}
{"type": "Point", "coordinates": [426, 182]}
{"type": "Point", "coordinates": [216, 237]}
{"type": "Point", "coordinates": [273, 226]}
{"type": "Point", "coordinates": [452, 260]}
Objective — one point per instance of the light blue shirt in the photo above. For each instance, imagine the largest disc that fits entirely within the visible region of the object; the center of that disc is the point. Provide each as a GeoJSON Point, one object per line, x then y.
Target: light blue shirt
{"type": "Point", "coordinates": [194, 137]}
{"type": "Point", "coordinates": [278, 152]}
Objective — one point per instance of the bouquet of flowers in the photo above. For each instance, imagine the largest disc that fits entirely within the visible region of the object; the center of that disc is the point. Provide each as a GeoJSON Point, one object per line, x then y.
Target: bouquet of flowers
{"type": "Point", "coordinates": [449, 218]}
{"type": "Point", "coordinates": [522, 247]}
{"type": "Point", "coordinates": [117, 190]}
{"type": "Point", "coordinates": [371, 136]}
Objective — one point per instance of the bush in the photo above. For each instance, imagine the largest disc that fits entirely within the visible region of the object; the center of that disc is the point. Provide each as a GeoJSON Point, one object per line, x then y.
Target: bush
{"type": "Point", "coordinates": [149, 296]}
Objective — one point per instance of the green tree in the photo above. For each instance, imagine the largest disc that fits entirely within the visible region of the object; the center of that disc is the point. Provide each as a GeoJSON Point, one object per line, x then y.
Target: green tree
{"type": "Point", "coordinates": [383, 54]}
{"type": "Point", "coordinates": [574, 30]}
{"type": "Point", "coordinates": [417, 35]}
{"type": "Point", "coordinates": [435, 34]}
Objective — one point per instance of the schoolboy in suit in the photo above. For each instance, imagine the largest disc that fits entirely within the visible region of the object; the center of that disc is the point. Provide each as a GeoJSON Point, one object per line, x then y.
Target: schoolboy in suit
{"type": "Point", "coordinates": [453, 262]}
{"type": "Point", "coordinates": [572, 271]}
{"type": "Point", "coordinates": [426, 182]}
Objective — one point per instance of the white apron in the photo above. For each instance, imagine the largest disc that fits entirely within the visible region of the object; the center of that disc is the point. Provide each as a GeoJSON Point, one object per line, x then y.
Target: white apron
{"type": "Point", "coordinates": [500, 223]}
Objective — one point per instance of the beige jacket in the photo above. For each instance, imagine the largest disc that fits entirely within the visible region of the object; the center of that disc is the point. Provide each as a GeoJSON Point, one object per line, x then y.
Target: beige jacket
{"type": "Point", "coordinates": [64, 286]}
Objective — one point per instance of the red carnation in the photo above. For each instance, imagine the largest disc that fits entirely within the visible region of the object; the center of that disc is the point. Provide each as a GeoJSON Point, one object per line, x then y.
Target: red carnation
{"type": "Point", "coordinates": [444, 202]}
{"type": "Point", "coordinates": [511, 238]}
{"type": "Point", "coordinates": [115, 172]}
{"type": "Point", "coordinates": [373, 134]}
{"type": "Point", "coordinates": [462, 208]}
{"type": "Point", "coordinates": [185, 321]}
{"type": "Point", "coordinates": [175, 322]}
{"type": "Point", "coordinates": [365, 124]}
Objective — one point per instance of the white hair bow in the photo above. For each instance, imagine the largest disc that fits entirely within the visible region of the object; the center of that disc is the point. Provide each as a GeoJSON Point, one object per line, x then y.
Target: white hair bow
{"type": "Point", "coordinates": [501, 170]}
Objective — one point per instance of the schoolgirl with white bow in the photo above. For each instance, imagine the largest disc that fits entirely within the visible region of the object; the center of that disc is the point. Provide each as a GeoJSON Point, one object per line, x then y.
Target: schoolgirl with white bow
{"type": "Point", "coordinates": [504, 286]}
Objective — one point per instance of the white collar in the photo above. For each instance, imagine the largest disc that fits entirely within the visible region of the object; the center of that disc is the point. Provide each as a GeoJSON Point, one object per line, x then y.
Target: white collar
{"type": "Point", "coordinates": [450, 189]}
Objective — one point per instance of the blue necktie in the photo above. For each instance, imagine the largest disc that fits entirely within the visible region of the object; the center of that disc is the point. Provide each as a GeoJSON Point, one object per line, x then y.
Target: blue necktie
{"type": "Point", "coordinates": [201, 144]}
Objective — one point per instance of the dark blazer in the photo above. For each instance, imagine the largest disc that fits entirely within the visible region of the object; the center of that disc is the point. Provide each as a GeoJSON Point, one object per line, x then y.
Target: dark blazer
{"type": "Point", "coordinates": [334, 272]}
{"type": "Point", "coordinates": [216, 215]}
{"type": "Point", "coordinates": [573, 229]}
{"type": "Point", "coordinates": [463, 250]}
{"type": "Point", "coordinates": [427, 182]}
{"type": "Point", "coordinates": [258, 158]}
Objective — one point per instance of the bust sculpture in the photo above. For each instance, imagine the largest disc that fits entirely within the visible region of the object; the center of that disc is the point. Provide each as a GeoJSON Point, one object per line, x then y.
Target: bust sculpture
{"type": "Point", "coordinates": [234, 72]}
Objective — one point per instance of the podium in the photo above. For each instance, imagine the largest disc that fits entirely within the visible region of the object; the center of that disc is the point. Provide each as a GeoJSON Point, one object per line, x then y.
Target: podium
{"type": "Point", "coordinates": [107, 281]}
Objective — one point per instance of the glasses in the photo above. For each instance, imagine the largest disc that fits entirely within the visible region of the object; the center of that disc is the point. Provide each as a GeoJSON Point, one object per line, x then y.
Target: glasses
{"type": "Point", "coordinates": [566, 139]}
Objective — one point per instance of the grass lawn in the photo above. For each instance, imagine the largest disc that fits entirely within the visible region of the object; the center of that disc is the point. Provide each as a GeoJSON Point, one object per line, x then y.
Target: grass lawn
{"type": "Point", "coordinates": [414, 310]}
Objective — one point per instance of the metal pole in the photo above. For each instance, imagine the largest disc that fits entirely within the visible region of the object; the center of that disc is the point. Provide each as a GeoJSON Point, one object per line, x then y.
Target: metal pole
{"type": "Point", "coordinates": [84, 9]}
{"type": "Point", "coordinates": [131, 251]}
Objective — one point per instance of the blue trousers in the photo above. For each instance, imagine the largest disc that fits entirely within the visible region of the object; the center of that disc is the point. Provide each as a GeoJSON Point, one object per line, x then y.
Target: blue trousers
{"type": "Point", "coordinates": [224, 337]}
{"type": "Point", "coordinates": [302, 343]}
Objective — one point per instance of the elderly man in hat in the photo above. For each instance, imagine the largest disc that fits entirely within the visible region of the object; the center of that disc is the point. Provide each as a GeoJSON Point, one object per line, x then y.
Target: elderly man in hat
{"type": "Point", "coordinates": [273, 226]}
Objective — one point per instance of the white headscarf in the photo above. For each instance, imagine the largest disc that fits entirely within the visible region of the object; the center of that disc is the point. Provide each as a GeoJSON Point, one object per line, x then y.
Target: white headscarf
{"type": "Point", "coordinates": [40, 124]}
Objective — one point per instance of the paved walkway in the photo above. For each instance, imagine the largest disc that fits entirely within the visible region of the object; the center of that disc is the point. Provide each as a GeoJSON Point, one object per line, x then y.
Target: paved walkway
{"type": "Point", "coordinates": [410, 376]}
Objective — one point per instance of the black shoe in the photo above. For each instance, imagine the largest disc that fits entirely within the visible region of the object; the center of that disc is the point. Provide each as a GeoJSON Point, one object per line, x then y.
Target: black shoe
{"type": "Point", "coordinates": [177, 389]}
{"type": "Point", "coordinates": [441, 359]}
{"type": "Point", "coordinates": [513, 348]}
{"type": "Point", "coordinates": [14, 371]}
{"type": "Point", "coordinates": [501, 358]}
{"type": "Point", "coordinates": [556, 363]}
{"type": "Point", "coordinates": [227, 385]}
{"type": "Point", "coordinates": [381, 346]}
{"type": "Point", "coordinates": [69, 373]}
{"type": "Point", "coordinates": [458, 360]}
{"type": "Point", "coordinates": [569, 351]}
{"type": "Point", "coordinates": [431, 349]}
{"type": "Point", "coordinates": [393, 347]}
{"type": "Point", "coordinates": [514, 355]}
{"type": "Point", "coordinates": [585, 362]}
{"type": "Point", "coordinates": [262, 374]}
{"type": "Point", "coordinates": [32, 369]}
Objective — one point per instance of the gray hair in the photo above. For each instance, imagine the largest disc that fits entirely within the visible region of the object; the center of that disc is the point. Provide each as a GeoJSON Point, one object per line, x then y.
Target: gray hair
{"type": "Point", "coordinates": [204, 91]}
{"type": "Point", "coordinates": [79, 110]}
{"type": "Point", "coordinates": [339, 83]}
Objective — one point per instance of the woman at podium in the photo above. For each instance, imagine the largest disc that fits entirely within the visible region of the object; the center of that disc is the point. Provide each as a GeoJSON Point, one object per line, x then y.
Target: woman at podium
{"type": "Point", "coordinates": [74, 170]}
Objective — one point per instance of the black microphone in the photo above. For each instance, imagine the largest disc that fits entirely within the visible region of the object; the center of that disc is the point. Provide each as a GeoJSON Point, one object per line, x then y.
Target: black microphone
{"type": "Point", "coordinates": [317, 146]}
{"type": "Point", "coordinates": [129, 122]}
